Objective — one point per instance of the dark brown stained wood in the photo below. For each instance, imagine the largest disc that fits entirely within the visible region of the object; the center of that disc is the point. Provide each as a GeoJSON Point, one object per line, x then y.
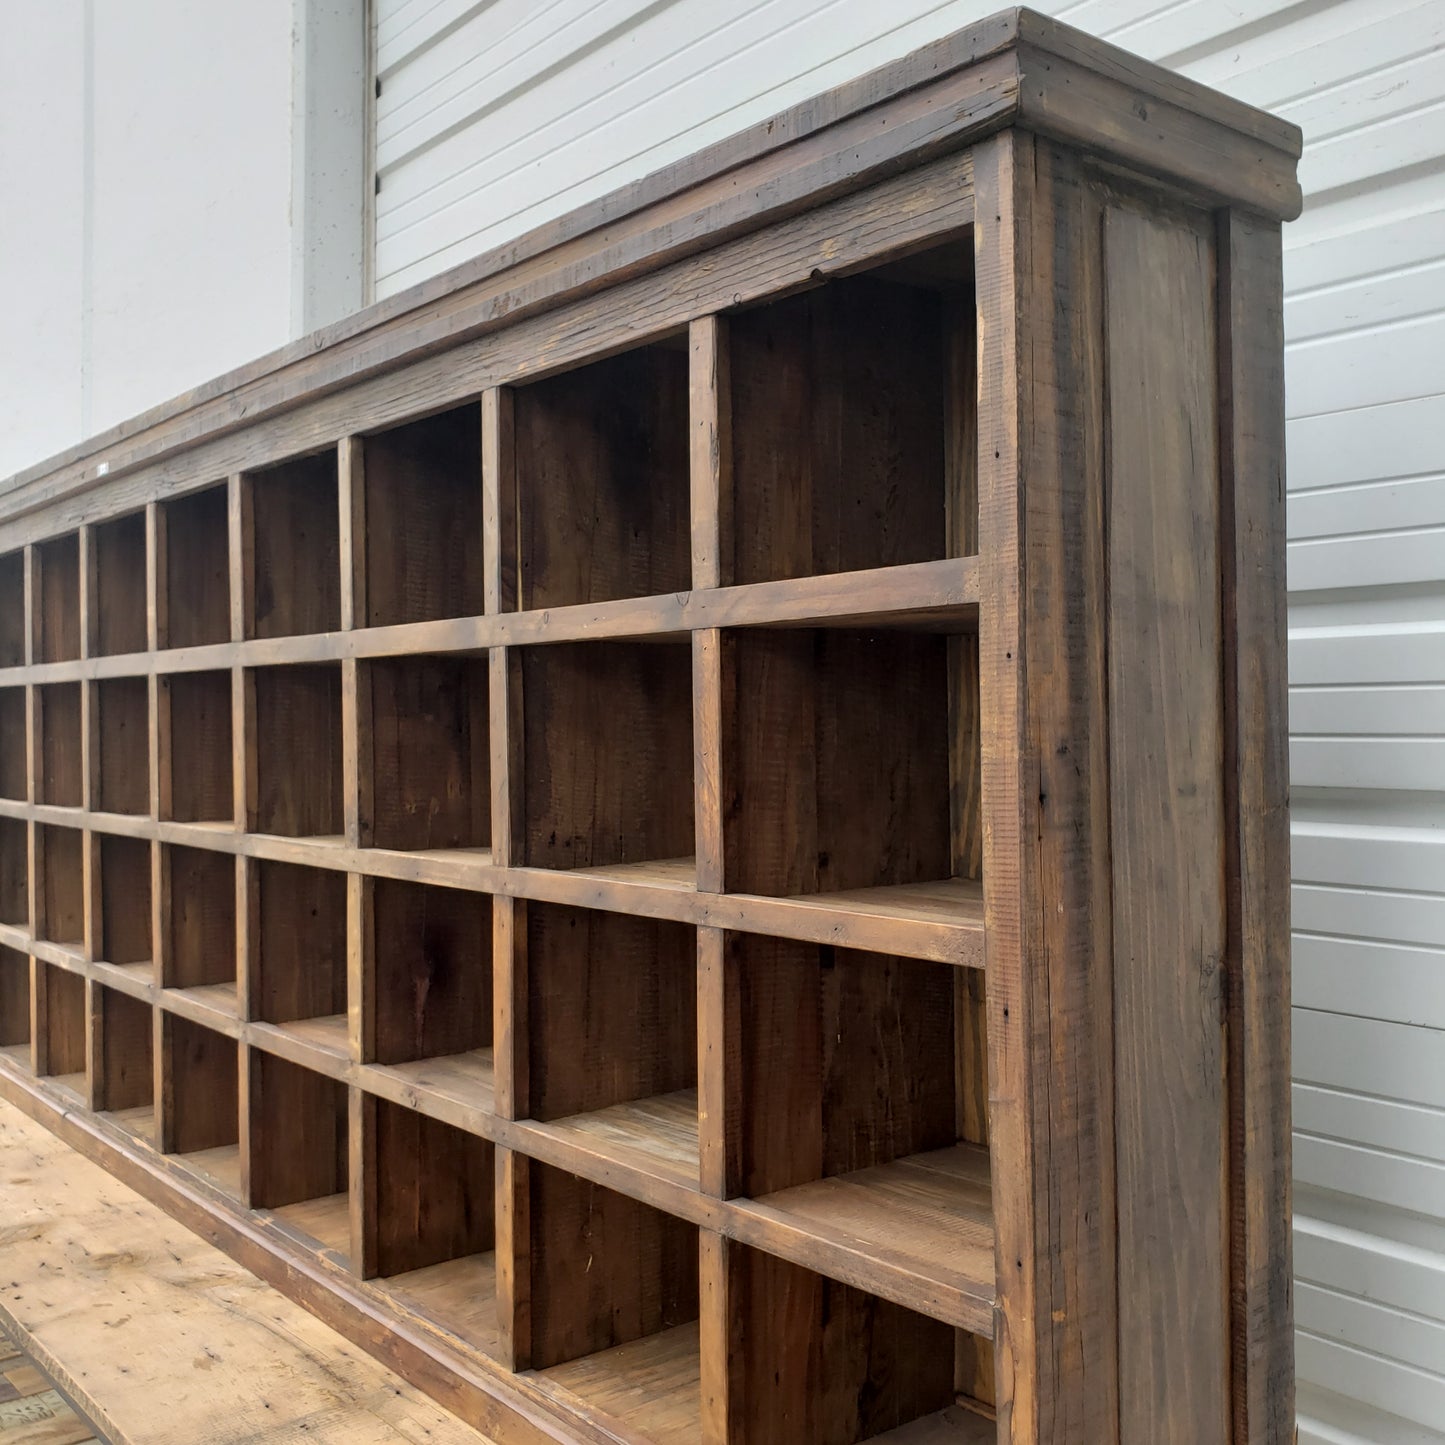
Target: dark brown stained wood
{"type": "Point", "coordinates": [298, 1135]}
{"type": "Point", "coordinates": [60, 885]}
{"type": "Point", "coordinates": [602, 482]}
{"type": "Point", "coordinates": [300, 943]}
{"type": "Point", "coordinates": [13, 768]}
{"type": "Point", "coordinates": [514, 1258]}
{"type": "Point", "coordinates": [430, 781]}
{"type": "Point", "coordinates": [200, 924]}
{"type": "Point", "coordinates": [61, 1048]}
{"type": "Point", "coordinates": [423, 536]}
{"type": "Point", "coordinates": [195, 565]}
{"type": "Point", "coordinates": [433, 977]}
{"type": "Point", "coordinates": [837, 770]}
{"type": "Point", "coordinates": [127, 1076]}
{"type": "Point", "coordinates": [710, 409]}
{"type": "Point", "coordinates": [61, 774]}
{"type": "Point", "coordinates": [434, 1191]}
{"type": "Point", "coordinates": [298, 752]}
{"type": "Point", "coordinates": [605, 1269]}
{"type": "Point", "coordinates": [837, 431]}
{"type": "Point", "coordinates": [499, 499]}
{"type": "Point", "coordinates": [291, 538]}
{"type": "Point", "coordinates": [125, 901]}
{"type": "Point", "coordinates": [607, 731]}
{"type": "Point", "coordinates": [12, 610]}
{"type": "Point", "coordinates": [56, 618]}
{"type": "Point", "coordinates": [14, 872]}
{"type": "Point", "coordinates": [14, 997]}
{"type": "Point", "coordinates": [809, 1361]}
{"type": "Point", "coordinates": [200, 1082]}
{"type": "Point", "coordinates": [123, 726]}
{"type": "Point", "coordinates": [511, 1027]}
{"type": "Point", "coordinates": [200, 751]}
{"type": "Point", "coordinates": [1257, 842]}
{"type": "Point", "coordinates": [611, 1009]}
{"type": "Point", "coordinates": [118, 604]}
{"type": "Point", "coordinates": [1045, 792]}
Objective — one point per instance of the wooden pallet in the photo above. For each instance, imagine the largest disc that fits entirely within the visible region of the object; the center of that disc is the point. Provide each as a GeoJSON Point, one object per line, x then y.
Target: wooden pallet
{"type": "Point", "coordinates": [683, 831]}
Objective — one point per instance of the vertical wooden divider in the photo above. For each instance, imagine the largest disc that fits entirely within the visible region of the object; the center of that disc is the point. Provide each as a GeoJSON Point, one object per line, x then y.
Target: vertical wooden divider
{"type": "Point", "coordinates": [156, 603]}
{"type": "Point", "coordinates": [32, 841]}
{"type": "Point", "coordinates": [90, 843]}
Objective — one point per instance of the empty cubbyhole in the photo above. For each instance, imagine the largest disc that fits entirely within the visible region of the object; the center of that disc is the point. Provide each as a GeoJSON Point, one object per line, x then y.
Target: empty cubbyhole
{"type": "Point", "coordinates": [123, 737]}
{"type": "Point", "coordinates": [198, 705]}
{"type": "Point", "coordinates": [295, 550]}
{"type": "Point", "coordinates": [62, 770]}
{"type": "Point", "coordinates": [125, 904]}
{"type": "Point", "coordinates": [13, 755]}
{"type": "Point", "coordinates": [12, 610]}
{"type": "Point", "coordinates": [300, 945]}
{"type": "Point", "coordinates": [57, 601]}
{"type": "Point", "coordinates": [612, 1005]}
{"type": "Point", "coordinates": [298, 751]}
{"type": "Point", "coordinates": [431, 1237]}
{"type": "Point", "coordinates": [430, 766]}
{"type": "Point", "coordinates": [299, 1156]}
{"type": "Point", "coordinates": [200, 923]}
{"type": "Point", "coordinates": [431, 957]}
{"type": "Point", "coordinates": [423, 507]}
{"type": "Point", "coordinates": [607, 756]}
{"type": "Point", "coordinates": [873, 1068]}
{"type": "Point", "coordinates": [197, 570]}
{"type": "Point", "coordinates": [14, 872]}
{"type": "Point", "coordinates": [810, 1361]}
{"type": "Point", "coordinates": [854, 423]}
{"type": "Point", "coordinates": [15, 1006]}
{"type": "Point", "coordinates": [61, 1016]}
{"type": "Point", "coordinates": [60, 899]}
{"type": "Point", "coordinates": [125, 1087]}
{"type": "Point", "coordinates": [602, 481]}
{"type": "Point", "coordinates": [118, 616]}
{"type": "Point", "coordinates": [201, 1070]}
{"type": "Point", "coordinates": [614, 1302]}
{"type": "Point", "coordinates": [853, 763]}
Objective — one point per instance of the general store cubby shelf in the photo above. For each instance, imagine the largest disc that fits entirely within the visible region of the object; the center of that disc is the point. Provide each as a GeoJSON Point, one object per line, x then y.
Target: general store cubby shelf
{"type": "Point", "coordinates": [504, 838]}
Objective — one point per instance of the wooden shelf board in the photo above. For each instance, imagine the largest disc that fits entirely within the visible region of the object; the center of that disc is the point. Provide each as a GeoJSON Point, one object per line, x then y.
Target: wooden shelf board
{"type": "Point", "coordinates": [455, 1088]}
{"type": "Point", "coordinates": [953, 1426]}
{"type": "Point", "coordinates": [651, 1385]}
{"type": "Point", "coordinates": [221, 1165]}
{"type": "Point", "coordinates": [326, 1220]}
{"type": "Point", "coordinates": [137, 979]}
{"type": "Point", "coordinates": [458, 1296]}
{"type": "Point", "coordinates": [139, 1122]}
{"type": "Point", "coordinates": [924, 1223]}
{"type": "Point", "coordinates": [212, 1005]}
{"type": "Point", "coordinates": [70, 1084]}
{"type": "Point", "coordinates": [656, 1135]}
{"type": "Point", "coordinates": [328, 1033]}
{"type": "Point", "coordinates": [679, 874]}
{"type": "Point", "coordinates": [955, 902]}
{"type": "Point", "coordinates": [17, 1055]}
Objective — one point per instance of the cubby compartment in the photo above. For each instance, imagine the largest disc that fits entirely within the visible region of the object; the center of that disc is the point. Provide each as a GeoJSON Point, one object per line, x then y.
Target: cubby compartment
{"type": "Point", "coordinates": [12, 609]}
{"type": "Point", "coordinates": [57, 600]}
{"type": "Point", "coordinates": [200, 923]}
{"type": "Point", "coordinates": [602, 487]}
{"type": "Point", "coordinates": [60, 1016]}
{"type": "Point", "coordinates": [614, 1301]}
{"type": "Point", "coordinates": [430, 1233]}
{"type": "Point", "coordinates": [293, 516]}
{"type": "Point", "coordinates": [608, 757]}
{"type": "Point", "coordinates": [198, 709]}
{"type": "Point", "coordinates": [60, 894]}
{"type": "Point", "coordinates": [14, 872]}
{"type": "Point", "coordinates": [13, 753]}
{"type": "Point", "coordinates": [298, 1149]}
{"type": "Point", "coordinates": [430, 768]}
{"type": "Point", "coordinates": [298, 751]}
{"type": "Point", "coordinates": [196, 572]}
{"type": "Point", "coordinates": [430, 957]}
{"type": "Point", "coordinates": [612, 1023]}
{"type": "Point", "coordinates": [125, 1079]}
{"type": "Point", "coordinates": [15, 1006]}
{"type": "Point", "coordinates": [854, 423]}
{"type": "Point", "coordinates": [118, 610]}
{"type": "Point", "coordinates": [62, 765]}
{"type": "Point", "coordinates": [299, 943]}
{"type": "Point", "coordinates": [851, 768]}
{"type": "Point", "coordinates": [126, 922]}
{"type": "Point", "coordinates": [422, 494]}
{"type": "Point", "coordinates": [202, 1103]}
{"type": "Point", "coordinates": [122, 732]}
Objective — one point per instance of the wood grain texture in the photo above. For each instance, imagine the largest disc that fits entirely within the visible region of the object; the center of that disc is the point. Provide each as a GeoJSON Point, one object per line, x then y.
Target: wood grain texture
{"type": "Point", "coordinates": [200, 1088]}
{"type": "Point", "coordinates": [201, 748]}
{"type": "Point", "coordinates": [196, 569]}
{"type": "Point", "coordinates": [122, 708]}
{"type": "Point", "coordinates": [125, 901]}
{"type": "Point", "coordinates": [118, 616]}
{"type": "Point", "coordinates": [200, 918]}
{"type": "Point", "coordinates": [300, 943]}
{"type": "Point", "coordinates": [298, 752]}
{"type": "Point", "coordinates": [127, 1075]}
{"type": "Point", "coordinates": [298, 1134]}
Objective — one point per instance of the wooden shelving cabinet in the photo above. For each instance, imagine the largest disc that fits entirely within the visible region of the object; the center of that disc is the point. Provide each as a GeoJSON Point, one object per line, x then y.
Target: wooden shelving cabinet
{"type": "Point", "coordinates": [683, 831]}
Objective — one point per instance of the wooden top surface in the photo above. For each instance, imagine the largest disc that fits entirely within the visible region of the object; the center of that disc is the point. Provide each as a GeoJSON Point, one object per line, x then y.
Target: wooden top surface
{"type": "Point", "coordinates": [1015, 68]}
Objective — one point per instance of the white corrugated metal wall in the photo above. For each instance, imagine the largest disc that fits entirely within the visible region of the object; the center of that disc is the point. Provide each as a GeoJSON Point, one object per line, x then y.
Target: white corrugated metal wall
{"type": "Point", "coordinates": [495, 115]}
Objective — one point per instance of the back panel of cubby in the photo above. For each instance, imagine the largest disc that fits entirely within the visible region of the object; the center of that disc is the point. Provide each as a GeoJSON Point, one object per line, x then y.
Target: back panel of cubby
{"type": "Point", "coordinates": [298, 1122]}
{"type": "Point", "coordinates": [61, 859]}
{"type": "Point", "coordinates": [197, 602]}
{"type": "Point", "coordinates": [57, 603]}
{"type": "Point", "coordinates": [14, 997]}
{"type": "Point", "coordinates": [300, 943]}
{"type": "Point", "coordinates": [61, 765]}
{"type": "Point", "coordinates": [125, 900]}
{"type": "Point", "coordinates": [200, 918]}
{"type": "Point", "coordinates": [198, 759]}
{"type": "Point", "coordinates": [123, 731]}
{"type": "Point", "coordinates": [14, 872]}
{"type": "Point", "coordinates": [119, 610]}
{"type": "Point", "coordinates": [127, 1075]}
{"type": "Point", "coordinates": [296, 548]}
{"type": "Point", "coordinates": [203, 1083]}
{"type": "Point", "coordinates": [12, 610]}
{"type": "Point", "coordinates": [64, 1015]}
{"type": "Point", "coordinates": [298, 751]}
{"type": "Point", "coordinates": [12, 743]}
